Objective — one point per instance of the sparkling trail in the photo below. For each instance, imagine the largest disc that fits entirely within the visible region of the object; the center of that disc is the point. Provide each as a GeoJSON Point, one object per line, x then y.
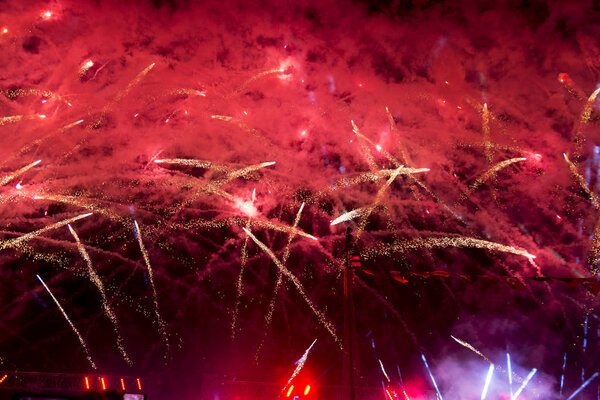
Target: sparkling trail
{"type": "Point", "coordinates": [524, 384]}
{"type": "Point", "coordinates": [239, 286]}
{"type": "Point", "coordinates": [258, 76]}
{"type": "Point", "coordinates": [584, 118]}
{"type": "Point", "coordinates": [431, 376]}
{"type": "Point", "coordinates": [286, 254]}
{"type": "Point", "coordinates": [448, 241]}
{"type": "Point", "coordinates": [492, 171]}
{"type": "Point", "coordinates": [10, 177]}
{"type": "Point", "coordinates": [473, 349]}
{"type": "Point", "coordinates": [64, 313]}
{"type": "Point", "coordinates": [300, 365]}
{"type": "Point", "coordinates": [46, 94]}
{"type": "Point", "coordinates": [581, 181]}
{"type": "Point", "coordinates": [20, 240]}
{"type": "Point", "coordinates": [322, 319]}
{"type": "Point", "coordinates": [488, 379]}
{"type": "Point", "coordinates": [585, 336]}
{"type": "Point", "coordinates": [576, 392]}
{"type": "Point", "coordinates": [95, 278]}
{"type": "Point", "coordinates": [11, 119]}
{"type": "Point", "coordinates": [159, 319]}
{"type": "Point", "coordinates": [193, 163]}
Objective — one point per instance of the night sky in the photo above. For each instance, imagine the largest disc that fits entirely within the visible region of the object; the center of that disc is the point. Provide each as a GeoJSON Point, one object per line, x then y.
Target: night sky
{"type": "Point", "coordinates": [451, 137]}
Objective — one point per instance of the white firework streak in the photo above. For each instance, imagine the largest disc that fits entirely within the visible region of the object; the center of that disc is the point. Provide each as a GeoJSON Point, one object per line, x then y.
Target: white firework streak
{"type": "Point", "coordinates": [300, 365]}
{"type": "Point", "coordinates": [322, 319]}
{"type": "Point", "coordinates": [64, 313]}
{"type": "Point", "coordinates": [159, 319]}
{"type": "Point", "coordinates": [100, 286]}
{"type": "Point", "coordinates": [20, 240]}
{"type": "Point", "coordinates": [8, 178]}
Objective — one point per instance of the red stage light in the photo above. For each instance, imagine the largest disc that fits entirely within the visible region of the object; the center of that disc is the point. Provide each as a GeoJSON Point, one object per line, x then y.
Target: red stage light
{"type": "Point", "coordinates": [306, 390]}
{"type": "Point", "coordinates": [103, 383]}
{"type": "Point", "coordinates": [139, 383]}
{"type": "Point", "coordinates": [87, 383]}
{"type": "Point", "coordinates": [122, 384]}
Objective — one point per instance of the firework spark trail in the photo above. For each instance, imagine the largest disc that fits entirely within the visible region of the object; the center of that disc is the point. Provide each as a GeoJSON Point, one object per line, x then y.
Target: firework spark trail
{"type": "Point", "coordinates": [95, 278]}
{"type": "Point", "coordinates": [584, 118]}
{"type": "Point", "coordinates": [194, 163]}
{"type": "Point", "coordinates": [562, 376]}
{"type": "Point", "coordinates": [593, 257]}
{"type": "Point", "coordinates": [524, 384]}
{"type": "Point", "coordinates": [383, 370]}
{"type": "Point", "coordinates": [240, 124]}
{"type": "Point", "coordinates": [492, 172]}
{"type": "Point", "coordinates": [473, 349]}
{"type": "Point", "coordinates": [405, 157]}
{"type": "Point", "coordinates": [39, 141]}
{"type": "Point", "coordinates": [386, 303]}
{"type": "Point", "coordinates": [185, 91]}
{"type": "Point", "coordinates": [286, 254]}
{"type": "Point", "coordinates": [46, 94]}
{"type": "Point", "coordinates": [366, 151]}
{"type": "Point", "coordinates": [11, 119]}
{"type": "Point", "coordinates": [241, 222]}
{"type": "Point", "coordinates": [447, 241]}
{"type": "Point", "coordinates": [299, 365]}
{"type": "Point", "coordinates": [485, 122]}
{"type": "Point", "coordinates": [239, 286]}
{"type": "Point", "coordinates": [585, 339]}
{"type": "Point", "coordinates": [136, 81]}
{"type": "Point", "coordinates": [10, 177]}
{"type": "Point", "coordinates": [81, 202]}
{"type": "Point", "coordinates": [349, 215]}
{"type": "Point", "coordinates": [322, 319]}
{"type": "Point", "coordinates": [581, 181]}
{"type": "Point", "coordinates": [576, 392]}
{"type": "Point", "coordinates": [488, 379]}
{"type": "Point", "coordinates": [11, 243]}
{"type": "Point", "coordinates": [431, 376]}
{"type": "Point", "coordinates": [258, 76]}
{"type": "Point", "coordinates": [64, 313]}
{"type": "Point", "coordinates": [159, 319]}
{"type": "Point", "coordinates": [371, 177]}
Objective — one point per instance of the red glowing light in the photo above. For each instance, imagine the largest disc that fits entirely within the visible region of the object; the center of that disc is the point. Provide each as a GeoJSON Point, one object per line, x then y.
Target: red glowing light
{"type": "Point", "coordinates": [122, 384]}
{"type": "Point", "coordinates": [245, 113]}
{"type": "Point", "coordinates": [4, 30]}
{"type": "Point", "coordinates": [306, 390]}
{"type": "Point", "coordinates": [558, 217]}
{"type": "Point", "coordinates": [427, 211]}
{"type": "Point", "coordinates": [167, 121]}
{"type": "Point", "coordinates": [446, 82]}
{"type": "Point", "coordinates": [303, 133]}
{"type": "Point", "coordinates": [44, 101]}
{"type": "Point", "coordinates": [135, 115]}
{"type": "Point", "coordinates": [459, 107]}
{"type": "Point", "coordinates": [247, 208]}
{"type": "Point", "coordinates": [185, 112]}
{"type": "Point", "coordinates": [360, 85]}
{"type": "Point", "coordinates": [47, 14]}
{"type": "Point", "coordinates": [378, 147]}
{"type": "Point", "coordinates": [3, 378]}
{"type": "Point", "coordinates": [139, 383]}
{"type": "Point", "coordinates": [18, 186]}
{"type": "Point", "coordinates": [42, 116]}
{"type": "Point", "coordinates": [103, 383]}
{"type": "Point", "coordinates": [87, 383]}
{"type": "Point", "coordinates": [289, 392]}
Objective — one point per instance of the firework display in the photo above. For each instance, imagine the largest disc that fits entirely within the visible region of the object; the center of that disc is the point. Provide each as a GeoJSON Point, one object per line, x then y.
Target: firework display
{"type": "Point", "coordinates": [209, 186]}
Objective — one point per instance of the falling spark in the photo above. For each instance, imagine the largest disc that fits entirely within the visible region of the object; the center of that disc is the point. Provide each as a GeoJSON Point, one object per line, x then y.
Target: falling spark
{"type": "Point", "coordinates": [485, 120]}
{"type": "Point", "coordinates": [322, 319]}
{"type": "Point", "coordinates": [488, 379]}
{"type": "Point", "coordinates": [448, 241]}
{"type": "Point", "coordinates": [12, 243]}
{"type": "Point", "coordinates": [581, 181]}
{"type": "Point", "coordinates": [159, 319]}
{"type": "Point", "coordinates": [584, 118]}
{"type": "Point", "coordinates": [524, 384]}
{"type": "Point", "coordinates": [244, 259]}
{"type": "Point", "coordinates": [10, 177]}
{"type": "Point", "coordinates": [100, 286]}
{"type": "Point", "coordinates": [16, 118]}
{"type": "Point", "coordinates": [85, 67]}
{"type": "Point", "coordinates": [575, 393]}
{"type": "Point", "coordinates": [349, 216]}
{"type": "Point", "coordinates": [473, 349]}
{"type": "Point", "coordinates": [508, 366]}
{"type": "Point", "coordinates": [383, 370]}
{"type": "Point", "coordinates": [300, 364]}
{"type": "Point", "coordinates": [258, 76]}
{"type": "Point", "coordinates": [64, 313]}
{"type": "Point", "coordinates": [431, 376]}
{"type": "Point", "coordinates": [493, 170]}
{"type": "Point", "coordinates": [286, 254]}
{"type": "Point", "coordinates": [585, 333]}
{"type": "Point", "coordinates": [193, 163]}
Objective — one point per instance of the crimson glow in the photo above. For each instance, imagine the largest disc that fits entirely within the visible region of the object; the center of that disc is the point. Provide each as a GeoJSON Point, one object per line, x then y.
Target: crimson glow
{"type": "Point", "coordinates": [47, 14]}
{"type": "Point", "coordinates": [4, 30]}
{"type": "Point", "coordinates": [42, 116]}
{"type": "Point", "coordinates": [122, 384]}
{"type": "Point", "coordinates": [289, 392]}
{"type": "Point", "coordinates": [87, 383]}
{"type": "Point", "coordinates": [139, 383]}
{"type": "Point", "coordinates": [103, 383]}
{"type": "Point", "coordinates": [306, 390]}
{"type": "Point", "coordinates": [3, 378]}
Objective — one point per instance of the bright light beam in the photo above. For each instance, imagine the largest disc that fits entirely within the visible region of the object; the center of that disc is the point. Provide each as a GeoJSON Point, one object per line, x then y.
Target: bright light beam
{"type": "Point", "coordinates": [300, 364]}
{"type": "Point", "coordinates": [575, 393]}
{"type": "Point", "coordinates": [432, 378]}
{"type": "Point", "coordinates": [488, 379]}
{"type": "Point", "coordinates": [524, 384]}
{"type": "Point", "coordinates": [509, 373]}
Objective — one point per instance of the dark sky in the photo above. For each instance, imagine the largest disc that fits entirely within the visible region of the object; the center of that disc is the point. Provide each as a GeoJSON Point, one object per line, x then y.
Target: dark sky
{"type": "Point", "coordinates": [486, 107]}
